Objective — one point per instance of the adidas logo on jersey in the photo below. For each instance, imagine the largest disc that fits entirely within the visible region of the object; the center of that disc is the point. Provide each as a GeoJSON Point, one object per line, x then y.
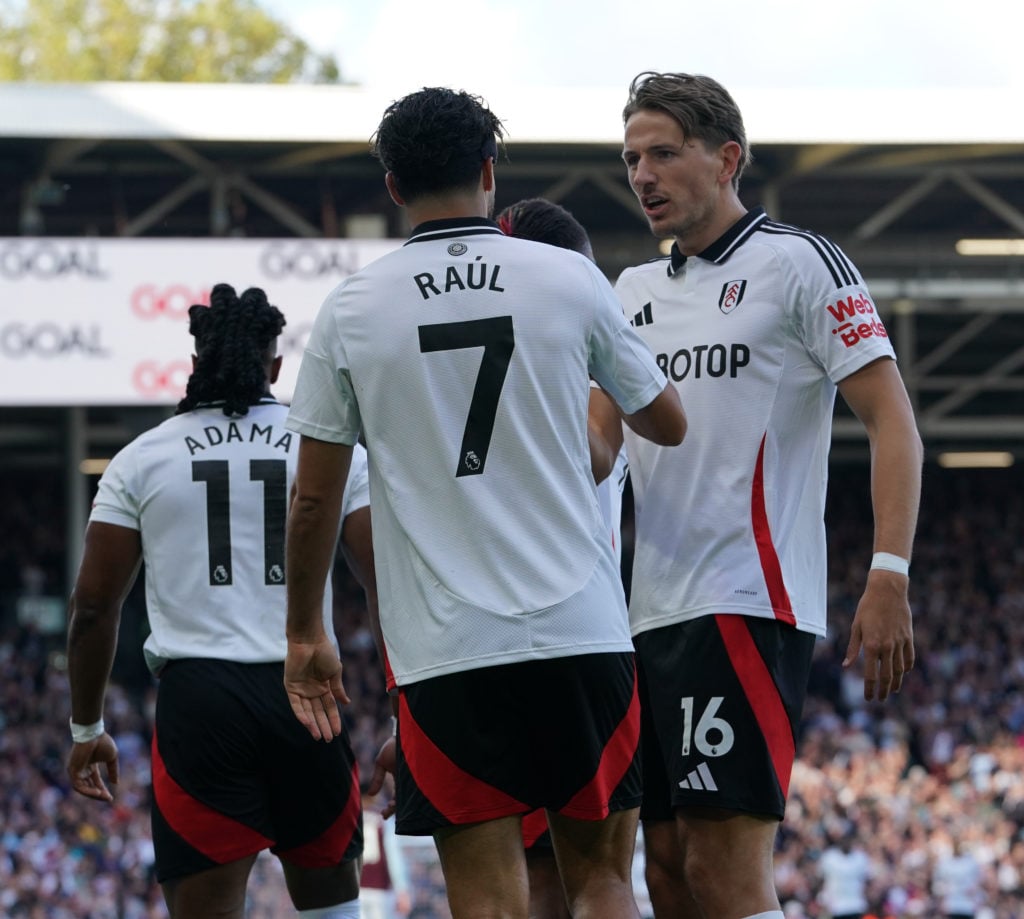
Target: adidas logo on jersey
{"type": "Point", "coordinates": [644, 317]}
{"type": "Point", "coordinates": [699, 780]}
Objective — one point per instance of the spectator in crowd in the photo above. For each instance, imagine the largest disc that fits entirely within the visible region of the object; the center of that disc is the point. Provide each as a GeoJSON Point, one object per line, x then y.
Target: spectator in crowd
{"type": "Point", "coordinates": [956, 880]}
{"type": "Point", "coordinates": [845, 871]}
{"type": "Point", "coordinates": [384, 879]}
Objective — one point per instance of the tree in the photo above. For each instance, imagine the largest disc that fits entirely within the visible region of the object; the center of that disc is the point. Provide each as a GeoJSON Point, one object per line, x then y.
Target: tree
{"type": "Point", "coordinates": [217, 41]}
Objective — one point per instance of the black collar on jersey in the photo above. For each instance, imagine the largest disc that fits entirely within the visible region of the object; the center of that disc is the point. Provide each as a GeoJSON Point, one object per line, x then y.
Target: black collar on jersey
{"type": "Point", "coordinates": [219, 403]}
{"type": "Point", "coordinates": [453, 226]}
{"type": "Point", "coordinates": [725, 245]}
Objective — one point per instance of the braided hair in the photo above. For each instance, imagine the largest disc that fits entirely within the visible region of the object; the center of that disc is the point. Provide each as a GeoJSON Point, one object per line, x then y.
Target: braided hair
{"type": "Point", "coordinates": [234, 340]}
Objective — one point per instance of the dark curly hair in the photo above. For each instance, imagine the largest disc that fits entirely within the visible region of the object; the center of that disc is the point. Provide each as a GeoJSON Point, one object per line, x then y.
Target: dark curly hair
{"type": "Point", "coordinates": [435, 140]}
{"type": "Point", "coordinates": [546, 222]}
{"type": "Point", "coordinates": [702, 107]}
{"type": "Point", "coordinates": [234, 340]}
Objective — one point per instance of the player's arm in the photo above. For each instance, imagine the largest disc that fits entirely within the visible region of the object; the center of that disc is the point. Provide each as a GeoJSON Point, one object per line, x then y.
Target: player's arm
{"type": "Point", "coordinates": [312, 672]}
{"type": "Point", "coordinates": [109, 566]}
{"type": "Point", "coordinates": [662, 421]}
{"type": "Point", "coordinates": [604, 431]}
{"type": "Point", "coordinates": [882, 624]}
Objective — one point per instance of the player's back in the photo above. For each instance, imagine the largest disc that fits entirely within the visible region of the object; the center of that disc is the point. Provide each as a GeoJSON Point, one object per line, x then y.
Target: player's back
{"type": "Point", "coordinates": [468, 354]}
{"type": "Point", "coordinates": [471, 374]}
{"type": "Point", "coordinates": [210, 496]}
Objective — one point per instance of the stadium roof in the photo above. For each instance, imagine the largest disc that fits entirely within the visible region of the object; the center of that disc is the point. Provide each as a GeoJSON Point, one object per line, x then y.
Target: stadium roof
{"type": "Point", "coordinates": [349, 114]}
{"type": "Point", "coordinates": [896, 178]}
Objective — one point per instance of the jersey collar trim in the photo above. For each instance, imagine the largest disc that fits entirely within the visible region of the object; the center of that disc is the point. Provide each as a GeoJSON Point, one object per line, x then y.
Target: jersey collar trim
{"type": "Point", "coordinates": [720, 250]}
{"type": "Point", "coordinates": [219, 403]}
{"type": "Point", "coordinates": [453, 226]}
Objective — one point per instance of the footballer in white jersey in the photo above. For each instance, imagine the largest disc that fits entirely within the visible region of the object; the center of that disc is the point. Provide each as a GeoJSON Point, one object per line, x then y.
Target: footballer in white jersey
{"type": "Point", "coordinates": [202, 500]}
{"type": "Point", "coordinates": [756, 324]}
{"type": "Point", "coordinates": [465, 358]}
{"type": "Point", "coordinates": [210, 494]}
{"type": "Point", "coordinates": [757, 372]}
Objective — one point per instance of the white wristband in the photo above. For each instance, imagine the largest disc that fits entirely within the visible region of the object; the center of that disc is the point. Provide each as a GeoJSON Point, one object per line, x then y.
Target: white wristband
{"type": "Point", "coordinates": [889, 562]}
{"type": "Point", "coordinates": [394, 726]}
{"type": "Point", "coordinates": [83, 733]}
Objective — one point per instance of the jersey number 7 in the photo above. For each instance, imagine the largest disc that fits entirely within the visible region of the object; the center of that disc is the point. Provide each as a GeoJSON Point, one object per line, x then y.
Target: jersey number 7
{"type": "Point", "coordinates": [498, 340]}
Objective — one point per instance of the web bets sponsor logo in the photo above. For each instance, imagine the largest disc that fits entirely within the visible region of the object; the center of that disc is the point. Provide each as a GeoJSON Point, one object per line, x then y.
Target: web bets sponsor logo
{"type": "Point", "coordinates": [857, 320]}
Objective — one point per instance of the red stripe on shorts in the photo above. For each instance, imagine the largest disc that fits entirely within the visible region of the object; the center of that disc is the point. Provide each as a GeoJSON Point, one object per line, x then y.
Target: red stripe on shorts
{"type": "Point", "coordinates": [459, 796]}
{"type": "Point", "coordinates": [220, 838]}
{"type": "Point", "coordinates": [762, 694]}
{"type": "Point", "coordinates": [591, 801]}
{"type": "Point", "coordinates": [770, 567]}
{"type": "Point", "coordinates": [330, 846]}
{"type": "Point", "coordinates": [535, 825]}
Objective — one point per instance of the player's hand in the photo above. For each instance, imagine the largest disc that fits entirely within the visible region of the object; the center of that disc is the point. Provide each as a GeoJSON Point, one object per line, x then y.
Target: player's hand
{"type": "Point", "coordinates": [384, 764]}
{"type": "Point", "coordinates": [84, 767]}
{"type": "Point", "coordinates": [312, 679]}
{"type": "Point", "coordinates": [883, 629]}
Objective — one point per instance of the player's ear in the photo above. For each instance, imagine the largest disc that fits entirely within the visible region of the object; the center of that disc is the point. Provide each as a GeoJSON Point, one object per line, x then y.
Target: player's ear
{"type": "Point", "coordinates": [194, 360]}
{"type": "Point", "coordinates": [487, 174]}
{"type": "Point", "coordinates": [275, 368]}
{"type": "Point", "coordinates": [392, 186]}
{"type": "Point", "coordinates": [730, 152]}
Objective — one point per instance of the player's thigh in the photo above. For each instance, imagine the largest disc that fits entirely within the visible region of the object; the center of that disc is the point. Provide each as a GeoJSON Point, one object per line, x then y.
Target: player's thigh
{"type": "Point", "coordinates": [316, 888]}
{"type": "Point", "coordinates": [217, 893]}
{"type": "Point", "coordinates": [484, 868]}
{"type": "Point", "coordinates": [726, 693]}
{"type": "Point", "coordinates": [581, 844]}
{"type": "Point", "coordinates": [547, 895]}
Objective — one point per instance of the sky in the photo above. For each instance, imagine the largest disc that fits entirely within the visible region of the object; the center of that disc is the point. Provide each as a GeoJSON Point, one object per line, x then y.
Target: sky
{"type": "Point", "coordinates": [486, 46]}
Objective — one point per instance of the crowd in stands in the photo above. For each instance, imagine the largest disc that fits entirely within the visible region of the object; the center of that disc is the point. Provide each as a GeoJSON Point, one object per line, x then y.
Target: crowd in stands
{"type": "Point", "coordinates": [940, 764]}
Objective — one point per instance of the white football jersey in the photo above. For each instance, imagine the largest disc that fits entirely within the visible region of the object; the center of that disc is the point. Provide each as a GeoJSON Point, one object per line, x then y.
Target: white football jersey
{"type": "Point", "coordinates": [209, 495]}
{"type": "Point", "coordinates": [755, 332]}
{"type": "Point", "coordinates": [465, 358]}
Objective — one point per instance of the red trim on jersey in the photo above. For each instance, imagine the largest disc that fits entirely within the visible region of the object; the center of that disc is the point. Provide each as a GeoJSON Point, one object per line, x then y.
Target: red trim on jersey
{"type": "Point", "coordinates": [770, 567]}
{"type": "Point", "coordinates": [389, 676]}
{"type": "Point", "coordinates": [219, 837]}
{"type": "Point", "coordinates": [453, 791]}
{"type": "Point", "coordinates": [535, 825]}
{"type": "Point", "coordinates": [591, 801]}
{"type": "Point", "coordinates": [329, 848]}
{"type": "Point", "coordinates": [762, 694]}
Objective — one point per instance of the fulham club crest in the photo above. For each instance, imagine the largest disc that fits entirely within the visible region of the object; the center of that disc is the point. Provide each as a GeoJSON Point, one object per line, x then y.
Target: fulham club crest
{"type": "Point", "coordinates": [731, 296]}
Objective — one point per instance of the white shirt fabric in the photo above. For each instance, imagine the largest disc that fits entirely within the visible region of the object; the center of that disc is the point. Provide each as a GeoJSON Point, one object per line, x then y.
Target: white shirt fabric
{"type": "Point", "coordinates": [212, 528]}
{"type": "Point", "coordinates": [957, 880]}
{"type": "Point", "coordinates": [755, 332]}
{"type": "Point", "coordinates": [846, 875]}
{"type": "Point", "coordinates": [489, 542]}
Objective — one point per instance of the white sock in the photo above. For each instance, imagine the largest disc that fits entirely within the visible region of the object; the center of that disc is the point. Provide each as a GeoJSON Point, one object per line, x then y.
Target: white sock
{"type": "Point", "coordinates": [346, 910]}
{"type": "Point", "coordinates": [771, 914]}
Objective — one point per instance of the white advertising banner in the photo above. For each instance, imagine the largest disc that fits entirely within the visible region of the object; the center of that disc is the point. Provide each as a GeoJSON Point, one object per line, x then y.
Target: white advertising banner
{"type": "Point", "coordinates": [105, 321]}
